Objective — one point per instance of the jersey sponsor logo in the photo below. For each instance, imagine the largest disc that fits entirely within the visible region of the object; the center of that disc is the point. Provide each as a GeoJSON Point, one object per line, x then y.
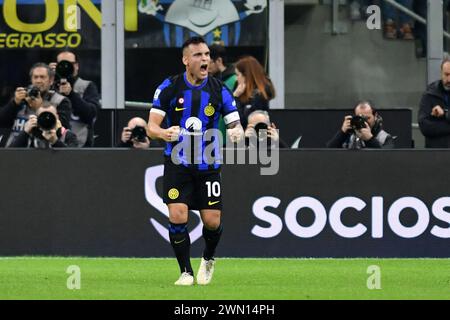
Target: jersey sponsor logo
{"type": "Point", "coordinates": [173, 193]}
{"type": "Point", "coordinates": [152, 174]}
{"type": "Point", "coordinates": [192, 126]}
{"type": "Point", "coordinates": [209, 110]}
{"type": "Point", "coordinates": [211, 203]}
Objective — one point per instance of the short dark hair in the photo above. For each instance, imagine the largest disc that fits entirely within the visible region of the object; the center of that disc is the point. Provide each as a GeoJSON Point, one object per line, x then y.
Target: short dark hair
{"type": "Point", "coordinates": [445, 60]}
{"type": "Point", "coordinates": [68, 51]}
{"type": "Point", "coordinates": [50, 72]}
{"type": "Point", "coordinates": [192, 40]}
{"type": "Point", "coordinates": [218, 51]}
{"type": "Point", "coordinates": [366, 102]}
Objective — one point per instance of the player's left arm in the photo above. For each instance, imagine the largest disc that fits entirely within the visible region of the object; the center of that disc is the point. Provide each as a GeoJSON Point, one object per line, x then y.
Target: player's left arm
{"type": "Point", "coordinates": [231, 116]}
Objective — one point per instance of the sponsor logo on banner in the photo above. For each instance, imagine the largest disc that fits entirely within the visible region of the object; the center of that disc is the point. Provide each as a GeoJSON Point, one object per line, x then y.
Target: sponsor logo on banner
{"type": "Point", "coordinates": [264, 207]}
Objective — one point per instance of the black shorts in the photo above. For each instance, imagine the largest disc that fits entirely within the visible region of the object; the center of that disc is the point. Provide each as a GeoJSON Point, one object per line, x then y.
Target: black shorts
{"type": "Point", "coordinates": [195, 188]}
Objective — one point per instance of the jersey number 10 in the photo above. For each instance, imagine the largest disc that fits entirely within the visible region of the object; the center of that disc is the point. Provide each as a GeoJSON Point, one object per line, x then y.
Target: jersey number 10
{"type": "Point", "coordinates": [213, 188]}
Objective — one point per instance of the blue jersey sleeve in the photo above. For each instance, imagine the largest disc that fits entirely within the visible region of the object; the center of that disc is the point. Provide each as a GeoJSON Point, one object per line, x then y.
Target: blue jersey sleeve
{"type": "Point", "coordinates": [161, 99]}
{"type": "Point", "coordinates": [229, 111]}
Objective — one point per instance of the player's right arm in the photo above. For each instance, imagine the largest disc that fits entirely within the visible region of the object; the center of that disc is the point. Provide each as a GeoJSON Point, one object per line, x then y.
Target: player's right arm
{"type": "Point", "coordinates": [161, 103]}
{"type": "Point", "coordinates": [156, 132]}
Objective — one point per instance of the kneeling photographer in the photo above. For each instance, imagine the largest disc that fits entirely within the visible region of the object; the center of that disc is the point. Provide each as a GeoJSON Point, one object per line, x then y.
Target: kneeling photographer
{"type": "Point", "coordinates": [362, 130]}
{"type": "Point", "coordinates": [134, 135]}
{"type": "Point", "coordinates": [44, 130]}
{"type": "Point", "coordinates": [260, 131]}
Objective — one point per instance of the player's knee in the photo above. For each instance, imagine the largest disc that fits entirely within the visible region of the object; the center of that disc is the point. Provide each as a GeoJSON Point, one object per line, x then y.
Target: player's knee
{"type": "Point", "coordinates": [211, 223]}
{"type": "Point", "coordinates": [178, 215]}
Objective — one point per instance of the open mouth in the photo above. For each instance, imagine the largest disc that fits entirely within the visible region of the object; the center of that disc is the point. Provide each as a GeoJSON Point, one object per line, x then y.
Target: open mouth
{"type": "Point", "coordinates": [204, 67]}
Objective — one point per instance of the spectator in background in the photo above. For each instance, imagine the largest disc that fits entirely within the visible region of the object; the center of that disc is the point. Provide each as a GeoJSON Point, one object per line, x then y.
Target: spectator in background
{"type": "Point", "coordinates": [82, 93]}
{"type": "Point", "coordinates": [362, 130]}
{"type": "Point", "coordinates": [27, 101]}
{"type": "Point", "coordinates": [134, 135]}
{"type": "Point", "coordinates": [219, 67]}
{"type": "Point", "coordinates": [254, 89]}
{"type": "Point", "coordinates": [259, 120]}
{"type": "Point", "coordinates": [434, 119]}
{"type": "Point", "coordinates": [52, 135]}
{"type": "Point", "coordinates": [396, 23]}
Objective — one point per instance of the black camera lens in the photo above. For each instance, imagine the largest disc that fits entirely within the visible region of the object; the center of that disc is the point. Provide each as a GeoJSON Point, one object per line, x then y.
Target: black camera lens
{"type": "Point", "coordinates": [358, 122]}
{"type": "Point", "coordinates": [261, 126]}
{"type": "Point", "coordinates": [46, 121]}
{"type": "Point", "coordinates": [64, 69]}
{"type": "Point", "coordinates": [139, 133]}
{"type": "Point", "coordinates": [33, 92]}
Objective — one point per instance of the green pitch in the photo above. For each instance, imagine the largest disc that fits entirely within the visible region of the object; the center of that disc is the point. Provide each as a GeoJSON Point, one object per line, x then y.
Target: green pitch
{"type": "Point", "coordinates": [105, 278]}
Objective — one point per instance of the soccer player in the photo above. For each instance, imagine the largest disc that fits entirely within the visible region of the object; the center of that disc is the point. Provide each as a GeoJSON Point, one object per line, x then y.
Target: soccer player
{"type": "Point", "coordinates": [191, 103]}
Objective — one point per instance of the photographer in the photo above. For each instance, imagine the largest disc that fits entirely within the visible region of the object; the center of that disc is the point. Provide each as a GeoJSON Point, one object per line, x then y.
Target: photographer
{"type": "Point", "coordinates": [26, 101]}
{"type": "Point", "coordinates": [134, 135]}
{"type": "Point", "coordinates": [363, 130]}
{"type": "Point", "coordinates": [44, 130]}
{"type": "Point", "coordinates": [259, 120]}
{"type": "Point", "coordinates": [82, 93]}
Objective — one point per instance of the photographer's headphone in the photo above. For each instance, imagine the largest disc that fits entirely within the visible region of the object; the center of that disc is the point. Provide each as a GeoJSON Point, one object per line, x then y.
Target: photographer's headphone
{"type": "Point", "coordinates": [378, 125]}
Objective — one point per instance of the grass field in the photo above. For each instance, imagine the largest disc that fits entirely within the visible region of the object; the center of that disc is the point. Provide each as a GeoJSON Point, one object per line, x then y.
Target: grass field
{"type": "Point", "coordinates": [286, 279]}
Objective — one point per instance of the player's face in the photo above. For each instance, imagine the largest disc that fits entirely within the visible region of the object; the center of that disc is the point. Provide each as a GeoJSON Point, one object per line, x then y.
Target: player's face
{"type": "Point", "coordinates": [446, 75]}
{"type": "Point", "coordinates": [196, 59]}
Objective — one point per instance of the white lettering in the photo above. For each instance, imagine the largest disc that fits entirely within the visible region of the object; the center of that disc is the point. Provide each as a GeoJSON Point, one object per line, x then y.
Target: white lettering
{"type": "Point", "coordinates": [275, 222]}
{"type": "Point", "coordinates": [320, 219]}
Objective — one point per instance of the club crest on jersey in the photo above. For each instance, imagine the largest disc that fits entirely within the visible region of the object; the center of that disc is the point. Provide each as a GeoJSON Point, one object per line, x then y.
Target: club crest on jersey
{"type": "Point", "coordinates": [180, 101]}
{"type": "Point", "coordinates": [209, 110]}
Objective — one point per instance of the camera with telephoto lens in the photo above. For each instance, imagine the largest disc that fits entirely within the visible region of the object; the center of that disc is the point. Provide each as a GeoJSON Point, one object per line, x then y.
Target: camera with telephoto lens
{"type": "Point", "coordinates": [139, 134]}
{"type": "Point", "coordinates": [33, 92]}
{"type": "Point", "coordinates": [64, 70]}
{"type": "Point", "coordinates": [260, 126]}
{"type": "Point", "coordinates": [262, 135]}
{"type": "Point", "coordinates": [46, 121]}
{"type": "Point", "coordinates": [358, 122]}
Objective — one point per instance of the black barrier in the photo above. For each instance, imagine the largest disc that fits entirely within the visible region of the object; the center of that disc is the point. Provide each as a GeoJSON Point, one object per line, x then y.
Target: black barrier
{"type": "Point", "coordinates": [317, 126]}
{"type": "Point", "coordinates": [314, 127]}
{"type": "Point", "coordinates": [320, 204]}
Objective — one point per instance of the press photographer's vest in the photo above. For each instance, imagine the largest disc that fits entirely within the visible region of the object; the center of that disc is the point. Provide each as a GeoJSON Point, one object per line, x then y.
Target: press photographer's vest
{"type": "Point", "coordinates": [26, 111]}
{"type": "Point", "coordinates": [80, 128]}
{"type": "Point", "coordinates": [354, 143]}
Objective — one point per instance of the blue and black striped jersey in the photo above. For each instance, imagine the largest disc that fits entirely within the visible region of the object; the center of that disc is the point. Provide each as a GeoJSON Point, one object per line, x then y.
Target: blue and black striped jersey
{"type": "Point", "coordinates": [196, 109]}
